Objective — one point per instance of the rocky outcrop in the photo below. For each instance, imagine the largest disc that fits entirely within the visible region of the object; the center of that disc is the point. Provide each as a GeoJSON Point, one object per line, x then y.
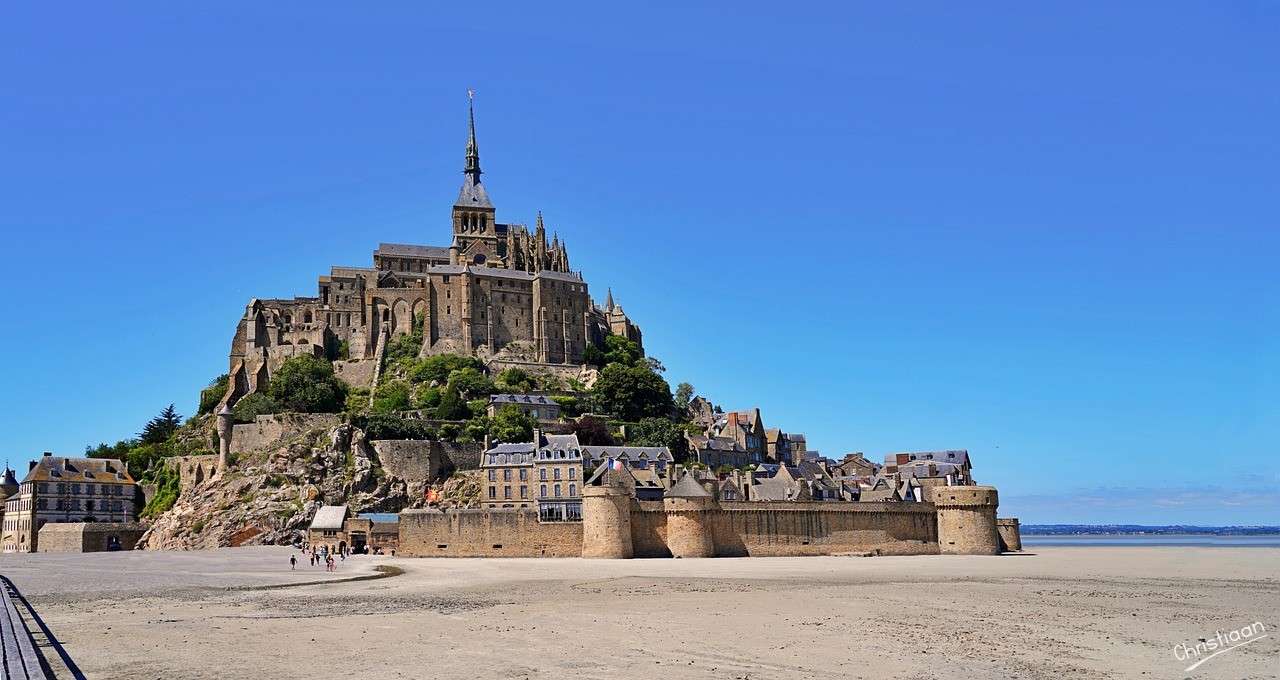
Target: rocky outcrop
{"type": "Point", "coordinates": [269, 497]}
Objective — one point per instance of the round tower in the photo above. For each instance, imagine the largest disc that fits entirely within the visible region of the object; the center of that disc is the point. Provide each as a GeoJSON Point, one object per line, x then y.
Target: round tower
{"type": "Point", "coordinates": [606, 522]}
{"type": "Point", "coordinates": [1010, 534]}
{"type": "Point", "coordinates": [967, 520]}
{"type": "Point", "coordinates": [687, 507]}
{"type": "Point", "coordinates": [225, 427]}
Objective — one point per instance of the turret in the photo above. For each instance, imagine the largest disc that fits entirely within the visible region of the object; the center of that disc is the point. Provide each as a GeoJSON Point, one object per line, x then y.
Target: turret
{"type": "Point", "coordinates": [606, 516]}
{"type": "Point", "coordinates": [225, 430]}
{"type": "Point", "coordinates": [688, 507]}
{"type": "Point", "coordinates": [966, 519]}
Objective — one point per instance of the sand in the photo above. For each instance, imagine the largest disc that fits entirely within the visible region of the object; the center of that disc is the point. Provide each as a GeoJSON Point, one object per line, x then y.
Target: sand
{"type": "Point", "coordinates": [1061, 612]}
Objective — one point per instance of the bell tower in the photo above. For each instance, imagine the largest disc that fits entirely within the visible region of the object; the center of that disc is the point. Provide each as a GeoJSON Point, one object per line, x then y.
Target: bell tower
{"type": "Point", "coordinates": [475, 233]}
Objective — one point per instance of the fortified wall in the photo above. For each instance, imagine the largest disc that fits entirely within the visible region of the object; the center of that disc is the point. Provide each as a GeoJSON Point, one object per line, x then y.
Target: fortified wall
{"type": "Point", "coordinates": [617, 526]}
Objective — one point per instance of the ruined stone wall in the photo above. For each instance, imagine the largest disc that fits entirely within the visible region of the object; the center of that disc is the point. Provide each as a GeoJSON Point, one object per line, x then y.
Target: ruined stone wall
{"type": "Point", "coordinates": [270, 431]}
{"type": "Point", "coordinates": [77, 537]}
{"type": "Point", "coordinates": [486, 533]}
{"type": "Point", "coordinates": [192, 470]}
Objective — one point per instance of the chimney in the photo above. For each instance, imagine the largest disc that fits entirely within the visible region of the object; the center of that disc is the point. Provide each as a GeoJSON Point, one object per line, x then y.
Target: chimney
{"type": "Point", "coordinates": [32, 467]}
{"type": "Point", "coordinates": [48, 453]}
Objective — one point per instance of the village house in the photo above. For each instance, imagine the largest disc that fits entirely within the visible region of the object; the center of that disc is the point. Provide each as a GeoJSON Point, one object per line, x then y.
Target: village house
{"type": "Point", "coordinates": [536, 406]}
{"type": "Point", "coordinates": [67, 490]}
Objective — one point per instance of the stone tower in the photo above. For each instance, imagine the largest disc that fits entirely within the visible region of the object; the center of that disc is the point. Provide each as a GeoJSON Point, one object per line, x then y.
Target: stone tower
{"type": "Point", "coordinates": [966, 520]}
{"type": "Point", "coordinates": [1010, 534]}
{"type": "Point", "coordinates": [606, 517]}
{"type": "Point", "coordinates": [475, 231]}
{"type": "Point", "coordinates": [688, 508]}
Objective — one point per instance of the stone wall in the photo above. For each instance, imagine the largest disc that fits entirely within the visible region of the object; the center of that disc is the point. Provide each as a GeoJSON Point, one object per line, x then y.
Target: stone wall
{"type": "Point", "coordinates": [817, 528]}
{"type": "Point", "coordinates": [409, 459]}
{"type": "Point", "coordinates": [271, 431]}
{"type": "Point", "coordinates": [455, 456]}
{"type": "Point", "coordinates": [77, 537]}
{"type": "Point", "coordinates": [192, 470]}
{"type": "Point", "coordinates": [356, 372]}
{"type": "Point", "coordinates": [486, 533]}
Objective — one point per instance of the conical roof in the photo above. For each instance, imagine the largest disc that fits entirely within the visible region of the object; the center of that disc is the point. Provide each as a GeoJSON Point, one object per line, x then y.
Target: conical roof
{"type": "Point", "coordinates": [687, 487]}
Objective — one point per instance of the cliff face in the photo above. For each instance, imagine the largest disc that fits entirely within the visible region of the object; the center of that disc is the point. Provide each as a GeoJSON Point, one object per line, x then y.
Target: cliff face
{"type": "Point", "coordinates": [269, 497]}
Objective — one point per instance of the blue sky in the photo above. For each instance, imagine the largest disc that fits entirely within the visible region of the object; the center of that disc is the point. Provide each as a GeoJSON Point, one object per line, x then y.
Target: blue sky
{"type": "Point", "coordinates": [1045, 234]}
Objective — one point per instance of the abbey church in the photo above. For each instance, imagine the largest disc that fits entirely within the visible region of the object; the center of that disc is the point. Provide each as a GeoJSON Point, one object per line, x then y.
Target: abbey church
{"type": "Point", "coordinates": [500, 292]}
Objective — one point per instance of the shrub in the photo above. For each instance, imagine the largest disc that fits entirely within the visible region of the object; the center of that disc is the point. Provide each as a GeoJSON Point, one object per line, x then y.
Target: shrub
{"type": "Point", "coordinates": [306, 384]}
{"type": "Point", "coordinates": [514, 380]}
{"type": "Point", "coordinates": [211, 395]}
{"type": "Point", "coordinates": [437, 368]}
{"type": "Point", "coordinates": [426, 397]}
{"type": "Point", "coordinates": [451, 406]}
{"type": "Point", "coordinates": [252, 406]}
{"type": "Point", "coordinates": [166, 495]}
{"type": "Point", "coordinates": [382, 426]}
{"type": "Point", "coordinates": [568, 405]}
{"type": "Point", "coordinates": [391, 395]}
{"type": "Point", "coordinates": [470, 382]}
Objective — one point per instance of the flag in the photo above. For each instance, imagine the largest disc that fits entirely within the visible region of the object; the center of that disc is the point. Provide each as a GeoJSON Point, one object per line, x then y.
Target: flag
{"type": "Point", "coordinates": [615, 463]}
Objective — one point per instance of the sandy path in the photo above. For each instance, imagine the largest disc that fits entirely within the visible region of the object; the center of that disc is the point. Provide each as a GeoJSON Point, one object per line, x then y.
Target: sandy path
{"type": "Point", "coordinates": [1058, 613]}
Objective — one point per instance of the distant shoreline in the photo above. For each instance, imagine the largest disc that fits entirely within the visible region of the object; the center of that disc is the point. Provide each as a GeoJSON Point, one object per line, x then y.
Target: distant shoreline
{"type": "Point", "coordinates": [1144, 530]}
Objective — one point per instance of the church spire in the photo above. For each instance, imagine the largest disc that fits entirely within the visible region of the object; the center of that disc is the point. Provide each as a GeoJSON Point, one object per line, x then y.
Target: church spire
{"type": "Point", "coordinates": [473, 194]}
{"type": "Point", "coordinates": [608, 301]}
{"type": "Point", "coordinates": [473, 152]}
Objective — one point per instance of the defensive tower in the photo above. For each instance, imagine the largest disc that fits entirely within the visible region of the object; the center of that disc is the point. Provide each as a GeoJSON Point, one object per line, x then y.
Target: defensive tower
{"type": "Point", "coordinates": [967, 520]}
{"type": "Point", "coordinates": [688, 507]}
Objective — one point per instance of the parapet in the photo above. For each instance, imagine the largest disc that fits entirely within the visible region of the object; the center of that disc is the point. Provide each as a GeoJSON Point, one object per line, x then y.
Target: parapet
{"type": "Point", "coordinates": [964, 496]}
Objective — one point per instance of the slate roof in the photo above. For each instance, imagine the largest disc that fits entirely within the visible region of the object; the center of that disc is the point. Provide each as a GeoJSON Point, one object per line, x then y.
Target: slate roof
{"type": "Point", "coordinates": [409, 250]}
{"type": "Point", "coordinates": [472, 194]}
{"type": "Point", "coordinates": [957, 456]}
{"type": "Point", "coordinates": [629, 454]}
{"type": "Point", "coordinates": [516, 447]}
{"type": "Point", "coordinates": [62, 469]}
{"type": "Point", "coordinates": [536, 399]}
{"type": "Point", "coordinates": [687, 487]}
{"type": "Point", "coordinates": [329, 518]}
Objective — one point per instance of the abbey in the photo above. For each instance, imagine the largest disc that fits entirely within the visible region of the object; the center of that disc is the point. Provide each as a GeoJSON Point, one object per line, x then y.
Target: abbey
{"type": "Point", "coordinates": [498, 291]}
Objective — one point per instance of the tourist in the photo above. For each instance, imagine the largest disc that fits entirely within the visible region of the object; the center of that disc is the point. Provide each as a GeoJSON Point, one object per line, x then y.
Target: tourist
{"type": "Point", "coordinates": [293, 563]}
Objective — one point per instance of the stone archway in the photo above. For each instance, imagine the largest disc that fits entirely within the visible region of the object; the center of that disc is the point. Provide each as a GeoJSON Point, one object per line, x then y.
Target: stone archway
{"type": "Point", "coordinates": [402, 318]}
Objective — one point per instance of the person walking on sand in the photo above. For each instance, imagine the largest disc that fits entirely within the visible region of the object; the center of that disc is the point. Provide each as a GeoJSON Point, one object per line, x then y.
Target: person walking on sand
{"type": "Point", "coordinates": [293, 563]}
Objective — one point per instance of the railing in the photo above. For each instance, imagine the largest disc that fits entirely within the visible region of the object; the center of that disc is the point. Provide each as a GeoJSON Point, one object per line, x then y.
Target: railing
{"type": "Point", "coordinates": [21, 661]}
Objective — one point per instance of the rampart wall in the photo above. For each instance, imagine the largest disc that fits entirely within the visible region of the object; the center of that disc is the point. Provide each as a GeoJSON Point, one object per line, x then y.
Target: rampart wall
{"type": "Point", "coordinates": [486, 533]}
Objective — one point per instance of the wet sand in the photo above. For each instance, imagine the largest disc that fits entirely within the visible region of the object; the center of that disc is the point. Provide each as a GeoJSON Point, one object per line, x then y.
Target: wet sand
{"type": "Point", "coordinates": [1077, 612]}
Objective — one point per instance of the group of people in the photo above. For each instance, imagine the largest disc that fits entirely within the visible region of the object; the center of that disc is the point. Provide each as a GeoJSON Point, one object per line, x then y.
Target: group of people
{"type": "Point", "coordinates": [320, 555]}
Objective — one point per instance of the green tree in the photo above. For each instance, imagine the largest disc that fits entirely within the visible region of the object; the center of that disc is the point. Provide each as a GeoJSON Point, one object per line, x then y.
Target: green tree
{"type": "Point", "coordinates": [426, 397]}
{"type": "Point", "coordinates": [684, 394]}
{"type": "Point", "coordinates": [593, 432]}
{"type": "Point", "coordinates": [159, 428]}
{"type": "Point", "coordinates": [619, 350]}
{"type": "Point", "coordinates": [659, 432]}
{"type": "Point", "coordinates": [436, 368]}
{"type": "Point", "coordinates": [391, 396]}
{"type": "Point", "coordinates": [514, 381]}
{"type": "Point", "coordinates": [452, 406]}
{"type": "Point", "coordinates": [252, 406]}
{"type": "Point", "coordinates": [211, 395]}
{"type": "Point", "coordinates": [306, 384]}
{"type": "Point", "coordinates": [510, 424]}
{"type": "Point", "coordinates": [632, 392]}
{"type": "Point", "coordinates": [470, 383]}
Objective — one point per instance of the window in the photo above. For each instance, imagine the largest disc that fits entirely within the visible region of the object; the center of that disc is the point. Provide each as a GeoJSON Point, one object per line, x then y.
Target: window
{"type": "Point", "coordinates": [542, 491]}
{"type": "Point", "coordinates": [524, 474]}
{"type": "Point", "coordinates": [573, 489]}
{"type": "Point", "coordinates": [506, 475]}
{"type": "Point", "coordinates": [493, 475]}
{"type": "Point", "coordinates": [557, 489]}
{"type": "Point", "coordinates": [573, 474]}
{"type": "Point", "coordinates": [493, 492]}
{"type": "Point", "coordinates": [524, 491]}
{"type": "Point", "coordinates": [506, 492]}
{"type": "Point", "coordinates": [75, 488]}
{"type": "Point", "coordinates": [557, 474]}
{"type": "Point", "coordinates": [542, 475]}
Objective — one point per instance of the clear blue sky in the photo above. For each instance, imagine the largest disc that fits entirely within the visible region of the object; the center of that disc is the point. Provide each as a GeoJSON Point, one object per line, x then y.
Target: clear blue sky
{"type": "Point", "coordinates": [1048, 234]}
